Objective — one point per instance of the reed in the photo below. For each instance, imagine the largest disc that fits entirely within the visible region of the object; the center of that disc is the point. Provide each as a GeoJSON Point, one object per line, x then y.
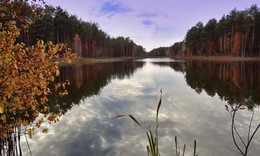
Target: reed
{"type": "Point", "coordinates": [153, 138]}
{"type": "Point", "coordinates": [178, 151]}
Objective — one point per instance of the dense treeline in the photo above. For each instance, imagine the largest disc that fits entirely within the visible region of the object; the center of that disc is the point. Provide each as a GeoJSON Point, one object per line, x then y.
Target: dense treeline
{"type": "Point", "coordinates": [235, 34]}
{"type": "Point", "coordinates": [161, 51]}
{"type": "Point", "coordinates": [85, 38]}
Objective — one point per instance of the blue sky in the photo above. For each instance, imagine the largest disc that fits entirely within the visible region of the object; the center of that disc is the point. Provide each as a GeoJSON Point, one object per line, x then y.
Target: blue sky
{"type": "Point", "coordinates": [150, 23]}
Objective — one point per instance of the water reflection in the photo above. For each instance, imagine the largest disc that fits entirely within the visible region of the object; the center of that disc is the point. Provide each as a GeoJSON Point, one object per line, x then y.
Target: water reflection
{"type": "Point", "coordinates": [242, 143]}
{"type": "Point", "coordinates": [231, 81]}
{"type": "Point", "coordinates": [193, 108]}
{"type": "Point", "coordinates": [88, 80]}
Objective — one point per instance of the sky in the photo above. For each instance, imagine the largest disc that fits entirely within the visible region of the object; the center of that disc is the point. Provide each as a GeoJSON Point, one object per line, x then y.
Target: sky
{"type": "Point", "coordinates": [150, 23]}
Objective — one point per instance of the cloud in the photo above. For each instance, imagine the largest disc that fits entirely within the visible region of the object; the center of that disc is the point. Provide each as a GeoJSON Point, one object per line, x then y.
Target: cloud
{"type": "Point", "coordinates": [147, 22]}
{"type": "Point", "coordinates": [112, 7]}
{"type": "Point", "coordinates": [147, 15]}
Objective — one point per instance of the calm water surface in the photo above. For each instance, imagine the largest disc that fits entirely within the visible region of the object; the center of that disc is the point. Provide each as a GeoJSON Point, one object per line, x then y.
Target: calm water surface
{"type": "Point", "coordinates": [193, 108]}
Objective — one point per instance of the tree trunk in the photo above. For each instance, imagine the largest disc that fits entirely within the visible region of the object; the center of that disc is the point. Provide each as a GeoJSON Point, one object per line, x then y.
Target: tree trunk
{"type": "Point", "coordinates": [253, 39]}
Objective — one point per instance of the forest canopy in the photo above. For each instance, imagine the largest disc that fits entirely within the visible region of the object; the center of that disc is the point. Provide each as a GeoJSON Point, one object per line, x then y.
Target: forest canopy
{"type": "Point", "coordinates": [87, 39]}
{"type": "Point", "coordinates": [235, 34]}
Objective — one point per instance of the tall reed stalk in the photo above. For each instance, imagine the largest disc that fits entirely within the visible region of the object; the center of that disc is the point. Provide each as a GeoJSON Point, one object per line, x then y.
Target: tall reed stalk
{"type": "Point", "coordinates": [153, 139]}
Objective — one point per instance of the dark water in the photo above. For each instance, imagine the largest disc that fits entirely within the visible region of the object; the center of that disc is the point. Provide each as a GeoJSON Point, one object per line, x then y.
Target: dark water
{"type": "Point", "coordinates": [193, 108]}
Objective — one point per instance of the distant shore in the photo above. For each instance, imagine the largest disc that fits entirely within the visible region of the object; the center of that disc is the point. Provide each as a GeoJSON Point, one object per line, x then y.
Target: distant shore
{"type": "Point", "coordinates": [82, 60]}
{"type": "Point", "coordinates": [218, 58]}
{"type": "Point", "coordinates": [85, 60]}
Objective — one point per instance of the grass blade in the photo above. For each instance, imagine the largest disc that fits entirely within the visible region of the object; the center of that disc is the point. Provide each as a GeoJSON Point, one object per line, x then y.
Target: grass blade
{"type": "Point", "coordinates": [118, 116]}
{"type": "Point", "coordinates": [135, 120]}
{"type": "Point", "coordinates": [158, 107]}
{"type": "Point", "coordinates": [176, 146]}
{"type": "Point", "coordinates": [184, 147]}
{"type": "Point", "coordinates": [195, 146]}
{"type": "Point", "coordinates": [148, 151]}
{"type": "Point", "coordinates": [150, 143]}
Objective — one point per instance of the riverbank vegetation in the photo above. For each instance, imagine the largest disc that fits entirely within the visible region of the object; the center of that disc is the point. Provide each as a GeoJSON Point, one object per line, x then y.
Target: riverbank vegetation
{"type": "Point", "coordinates": [235, 34]}
{"type": "Point", "coordinates": [26, 75]}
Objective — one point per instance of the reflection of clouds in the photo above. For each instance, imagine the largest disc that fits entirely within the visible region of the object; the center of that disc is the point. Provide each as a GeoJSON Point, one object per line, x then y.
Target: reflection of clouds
{"type": "Point", "coordinates": [87, 129]}
{"type": "Point", "coordinates": [76, 135]}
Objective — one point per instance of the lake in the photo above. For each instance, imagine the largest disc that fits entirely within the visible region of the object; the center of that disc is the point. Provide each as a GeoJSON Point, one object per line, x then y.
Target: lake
{"type": "Point", "coordinates": [195, 98]}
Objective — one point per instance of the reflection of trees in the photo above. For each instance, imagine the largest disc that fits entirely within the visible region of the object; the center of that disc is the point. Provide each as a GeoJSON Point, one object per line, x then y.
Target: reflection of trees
{"type": "Point", "coordinates": [88, 80]}
{"type": "Point", "coordinates": [241, 144]}
{"type": "Point", "coordinates": [230, 80]}
{"type": "Point", "coordinates": [235, 82]}
{"type": "Point", "coordinates": [12, 146]}
{"type": "Point", "coordinates": [177, 66]}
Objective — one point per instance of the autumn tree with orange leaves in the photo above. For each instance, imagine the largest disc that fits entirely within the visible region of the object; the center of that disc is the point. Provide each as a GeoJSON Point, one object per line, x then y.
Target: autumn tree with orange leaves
{"type": "Point", "coordinates": [26, 73]}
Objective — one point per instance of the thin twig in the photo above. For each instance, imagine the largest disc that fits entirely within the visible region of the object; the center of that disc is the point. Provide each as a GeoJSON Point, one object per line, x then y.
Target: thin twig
{"type": "Point", "coordinates": [248, 137]}
{"type": "Point", "coordinates": [251, 138]}
{"type": "Point", "coordinates": [232, 132]}
{"type": "Point", "coordinates": [27, 142]}
{"type": "Point", "coordinates": [19, 140]}
{"type": "Point", "coordinates": [239, 135]}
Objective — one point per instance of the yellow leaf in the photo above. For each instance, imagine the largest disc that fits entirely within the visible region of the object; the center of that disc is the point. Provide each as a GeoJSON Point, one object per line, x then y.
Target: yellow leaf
{"type": "Point", "coordinates": [57, 72]}
{"type": "Point", "coordinates": [56, 86]}
{"type": "Point", "coordinates": [40, 42]}
{"type": "Point", "coordinates": [2, 108]}
{"type": "Point", "coordinates": [44, 99]}
{"type": "Point", "coordinates": [9, 94]}
{"type": "Point", "coordinates": [26, 115]}
{"type": "Point", "coordinates": [30, 132]}
{"type": "Point", "coordinates": [3, 118]}
{"type": "Point", "coordinates": [17, 99]}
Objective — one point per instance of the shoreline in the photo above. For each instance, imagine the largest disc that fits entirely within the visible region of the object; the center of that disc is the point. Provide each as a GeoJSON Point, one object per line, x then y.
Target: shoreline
{"type": "Point", "coordinates": [89, 61]}
{"type": "Point", "coordinates": [217, 58]}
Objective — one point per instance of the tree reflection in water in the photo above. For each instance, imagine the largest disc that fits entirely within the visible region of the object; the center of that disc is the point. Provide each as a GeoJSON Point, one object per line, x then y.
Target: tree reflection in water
{"type": "Point", "coordinates": [86, 81]}
{"type": "Point", "coordinates": [12, 146]}
{"type": "Point", "coordinates": [237, 83]}
{"type": "Point", "coordinates": [229, 80]}
{"type": "Point", "coordinates": [241, 144]}
{"type": "Point", "coordinates": [89, 80]}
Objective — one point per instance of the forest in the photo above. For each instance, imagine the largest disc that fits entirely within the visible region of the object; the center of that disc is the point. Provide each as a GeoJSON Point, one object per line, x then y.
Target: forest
{"type": "Point", "coordinates": [85, 38]}
{"type": "Point", "coordinates": [235, 34]}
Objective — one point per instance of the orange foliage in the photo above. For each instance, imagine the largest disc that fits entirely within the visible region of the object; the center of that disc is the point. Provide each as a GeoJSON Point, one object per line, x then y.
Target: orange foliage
{"type": "Point", "coordinates": [25, 72]}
